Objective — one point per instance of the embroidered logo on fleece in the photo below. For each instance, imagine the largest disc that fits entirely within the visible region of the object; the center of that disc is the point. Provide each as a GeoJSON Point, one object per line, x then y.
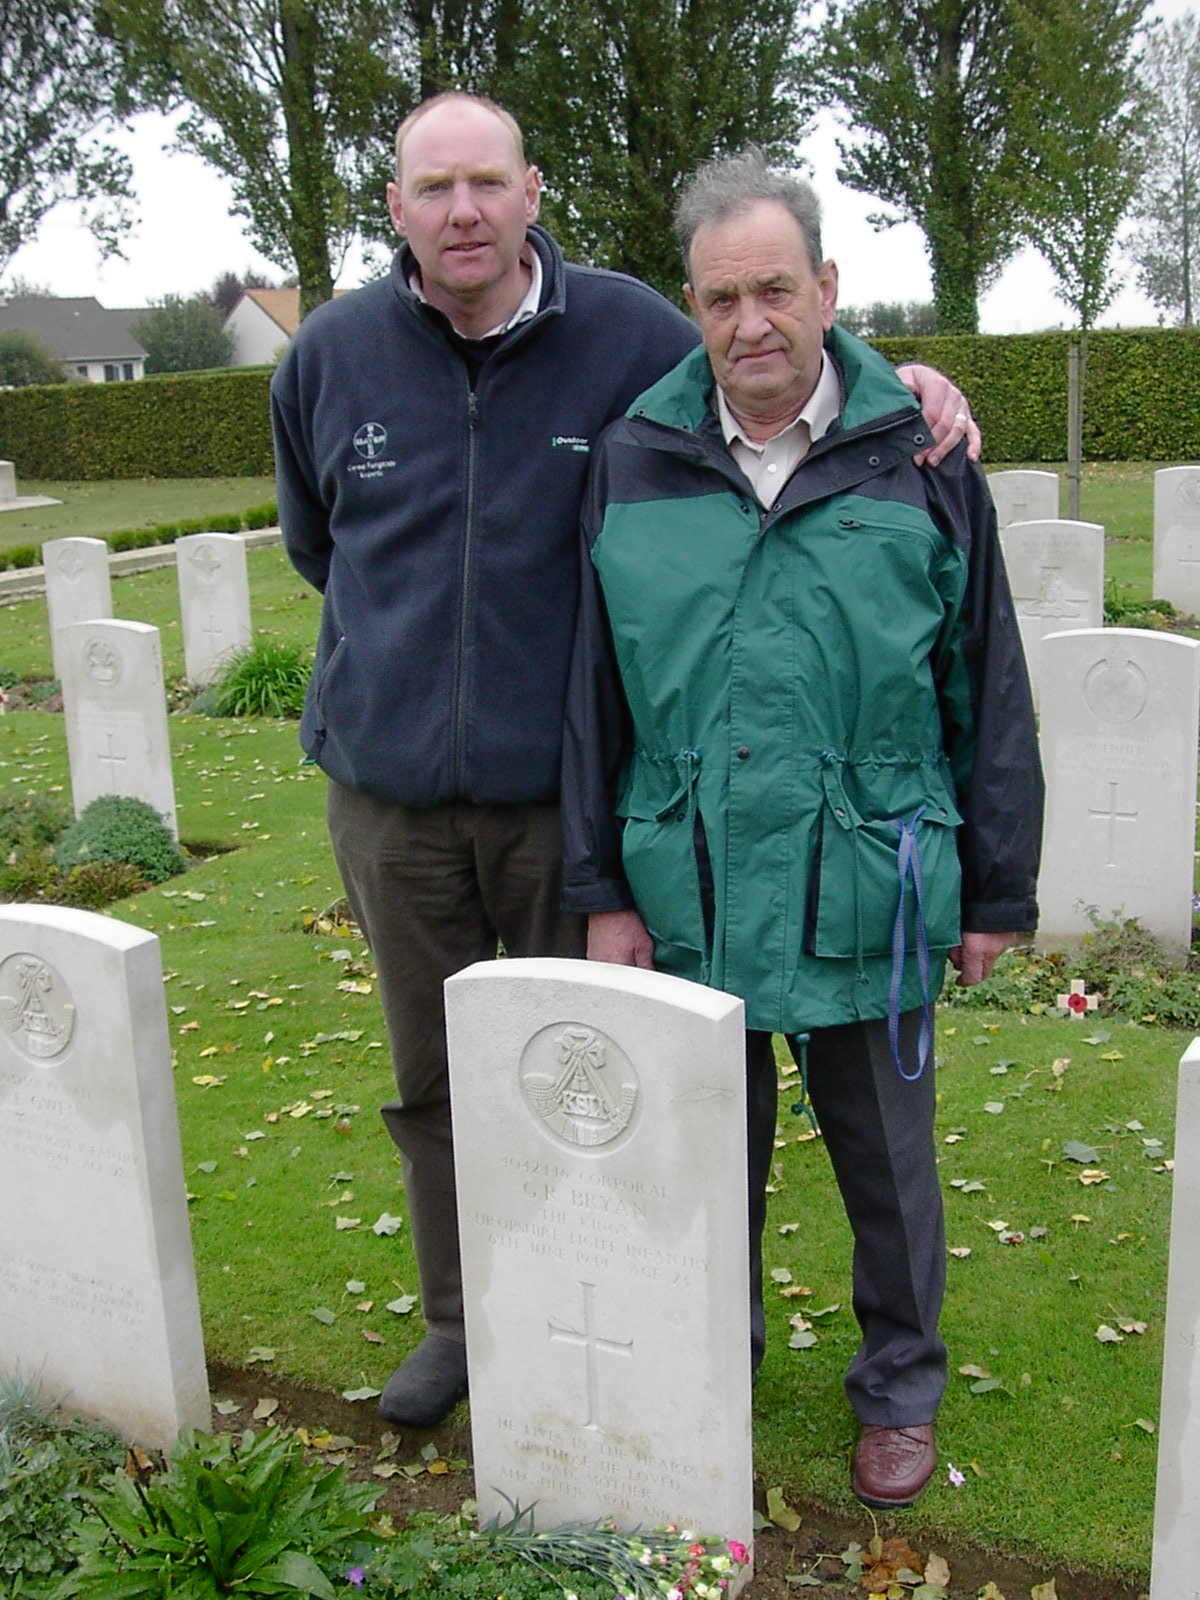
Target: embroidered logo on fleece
{"type": "Point", "coordinates": [370, 441]}
{"type": "Point", "coordinates": [570, 441]}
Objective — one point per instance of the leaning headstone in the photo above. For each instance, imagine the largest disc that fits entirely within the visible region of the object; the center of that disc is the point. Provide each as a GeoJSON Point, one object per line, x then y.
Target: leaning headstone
{"type": "Point", "coordinates": [214, 601]}
{"type": "Point", "coordinates": [1120, 710]}
{"type": "Point", "coordinates": [115, 708]}
{"type": "Point", "coordinates": [600, 1137]}
{"type": "Point", "coordinates": [1177, 1496]}
{"type": "Point", "coordinates": [1021, 496]}
{"type": "Point", "coordinates": [1056, 573]}
{"type": "Point", "coordinates": [78, 586]}
{"type": "Point", "coordinates": [1177, 538]}
{"type": "Point", "coordinates": [98, 1304]}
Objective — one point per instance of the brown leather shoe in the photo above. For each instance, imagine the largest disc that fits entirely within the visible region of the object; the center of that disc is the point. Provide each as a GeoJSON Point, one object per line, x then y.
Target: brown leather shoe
{"type": "Point", "coordinates": [893, 1465]}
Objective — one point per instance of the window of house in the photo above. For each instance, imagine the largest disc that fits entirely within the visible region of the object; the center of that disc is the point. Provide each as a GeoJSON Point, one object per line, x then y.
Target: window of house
{"type": "Point", "coordinates": [111, 374]}
{"type": "Point", "coordinates": [127, 372]}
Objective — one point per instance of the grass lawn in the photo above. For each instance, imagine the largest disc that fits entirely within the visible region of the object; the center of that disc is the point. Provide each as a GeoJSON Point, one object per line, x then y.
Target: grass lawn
{"type": "Point", "coordinates": [303, 1259]}
{"type": "Point", "coordinates": [95, 509]}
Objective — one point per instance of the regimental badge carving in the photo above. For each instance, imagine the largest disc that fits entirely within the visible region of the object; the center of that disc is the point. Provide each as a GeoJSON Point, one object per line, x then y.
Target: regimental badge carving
{"type": "Point", "coordinates": [102, 662]}
{"type": "Point", "coordinates": [581, 1084]}
{"type": "Point", "coordinates": [1116, 689]}
{"type": "Point", "coordinates": [205, 560]}
{"type": "Point", "coordinates": [70, 562]}
{"type": "Point", "coordinates": [36, 1009]}
{"type": "Point", "coordinates": [1187, 499]}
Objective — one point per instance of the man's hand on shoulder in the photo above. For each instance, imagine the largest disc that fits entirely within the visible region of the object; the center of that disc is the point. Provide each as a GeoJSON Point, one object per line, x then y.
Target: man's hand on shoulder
{"type": "Point", "coordinates": [946, 410]}
{"type": "Point", "coordinates": [975, 957]}
{"type": "Point", "coordinates": [621, 938]}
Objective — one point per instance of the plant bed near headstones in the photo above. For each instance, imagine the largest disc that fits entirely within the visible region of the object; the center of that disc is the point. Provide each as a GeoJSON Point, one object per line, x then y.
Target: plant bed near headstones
{"type": "Point", "coordinates": [428, 1471]}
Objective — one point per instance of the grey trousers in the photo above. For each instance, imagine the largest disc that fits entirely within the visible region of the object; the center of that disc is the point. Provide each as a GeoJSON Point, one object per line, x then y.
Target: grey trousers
{"type": "Point", "coordinates": [878, 1130]}
{"type": "Point", "coordinates": [433, 891]}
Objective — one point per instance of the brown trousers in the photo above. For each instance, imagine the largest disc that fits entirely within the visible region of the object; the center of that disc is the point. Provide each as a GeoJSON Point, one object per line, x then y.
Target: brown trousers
{"type": "Point", "coordinates": [433, 891]}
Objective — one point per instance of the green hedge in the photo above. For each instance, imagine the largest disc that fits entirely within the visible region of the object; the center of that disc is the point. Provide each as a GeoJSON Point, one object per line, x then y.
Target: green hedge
{"type": "Point", "coordinates": [1141, 405]}
{"type": "Point", "coordinates": [1140, 402]}
{"type": "Point", "coordinates": [185, 425]}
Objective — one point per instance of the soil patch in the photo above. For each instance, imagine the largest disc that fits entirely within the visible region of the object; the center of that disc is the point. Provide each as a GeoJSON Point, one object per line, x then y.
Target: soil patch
{"type": "Point", "coordinates": [787, 1565]}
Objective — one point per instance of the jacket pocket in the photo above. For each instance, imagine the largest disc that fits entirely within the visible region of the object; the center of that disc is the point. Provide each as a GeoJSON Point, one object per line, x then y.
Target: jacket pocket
{"type": "Point", "coordinates": [659, 856]}
{"type": "Point", "coordinates": [869, 869]}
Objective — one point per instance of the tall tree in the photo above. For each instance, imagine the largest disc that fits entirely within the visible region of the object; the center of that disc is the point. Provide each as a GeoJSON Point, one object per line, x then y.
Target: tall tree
{"type": "Point", "coordinates": [1082, 89]}
{"type": "Point", "coordinates": [183, 335]}
{"type": "Point", "coordinates": [61, 87]}
{"type": "Point", "coordinates": [622, 100]}
{"type": "Point", "coordinates": [295, 101]}
{"type": "Point", "coordinates": [926, 88]}
{"type": "Point", "coordinates": [1166, 243]}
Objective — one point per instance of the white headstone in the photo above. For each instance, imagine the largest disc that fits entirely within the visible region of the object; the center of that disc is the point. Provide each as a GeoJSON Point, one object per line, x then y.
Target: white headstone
{"type": "Point", "coordinates": [600, 1143]}
{"type": "Point", "coordinates": [1021, 496]}
{"type": "Point", "coordinates": [8, 481]}
{"type": "Point", "coordinates": [98, 1300]}
{"type": "Point", "coordinates": [1056, 573]}
{"type": "Point", "coordinates": [1177, 1495]}
{"type": "Point", "coordinates": [214, 601]}
{"type": "Point", "coordinates": [1120, 711]}
{"type": "Point", "coordinates": [78, 586]}
{"type": "Point", "coordinates": [1177, 538]}
{"type": "Point", "coordinates": [115, 707]}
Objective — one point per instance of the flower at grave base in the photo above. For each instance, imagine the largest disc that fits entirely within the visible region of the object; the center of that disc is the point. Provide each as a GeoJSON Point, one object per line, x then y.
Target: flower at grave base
{"type": "Point", "coordinates": [1077, 1002]}
{"type": "Point", "coordinates": [695, 1549]}
{"type": "Point", "coordinates": [355, 1577]}
{"type": "Point", "coordinates": [738, 1552]}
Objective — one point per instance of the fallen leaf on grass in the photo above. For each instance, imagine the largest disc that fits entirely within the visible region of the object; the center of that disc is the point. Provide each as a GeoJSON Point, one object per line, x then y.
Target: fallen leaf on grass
{"type": "Point", "coordinates": [1076, 1150]}
{"type": "Point", "coordinates": [1044, 1591]}
{"type": "Point", "coordinates": [372, 1338]}
{"type": "Point", "coordinates": [780, 1275]}
{"type": "Point", "coordinates": [260, 1352]}
{"type": "Point", "coordinates": [403, 1305]}
{"type": "Point", "coordinates": [385, 1225]}
{"type": "Point", "coordinates": [1093, 1175]}
{"type": "Point", "coordinates": [343, 1224]}
{"type": "Point", "coordinates": [265, 1408]}
{"type": "Point", "coordinates": [1107, 1335]}
{"type": "Point", "coordinates": [361, 1394]}
{"type": "Point", "coordinates": [324, 1315]}
{"type": "Point", "coordinates": [780, 1513]}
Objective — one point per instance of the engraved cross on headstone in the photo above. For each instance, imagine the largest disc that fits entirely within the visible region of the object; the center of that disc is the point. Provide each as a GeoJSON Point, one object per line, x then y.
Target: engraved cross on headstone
{"type": "Point", "coordinates": [1112, 816]}
{"type": "Point", "coordinates": [592, 1345]}
{"type": "Point", "coordinates": [110, 758]}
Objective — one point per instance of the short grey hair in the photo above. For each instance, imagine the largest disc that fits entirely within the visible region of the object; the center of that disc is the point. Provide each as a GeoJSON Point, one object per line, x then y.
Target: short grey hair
{"type": "Point", "coordinates": [727, 185]}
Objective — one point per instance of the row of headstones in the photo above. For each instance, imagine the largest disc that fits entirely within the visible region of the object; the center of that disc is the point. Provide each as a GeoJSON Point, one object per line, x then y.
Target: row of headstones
{"type": "Point", "coordinates": [114, 694]}
{"type": "Point", "coordinates": [605, 1267]}
{"type": "Point", "coordinates": [1056, 567]}
{"type": "Point", "coordinates": [1119, 712]}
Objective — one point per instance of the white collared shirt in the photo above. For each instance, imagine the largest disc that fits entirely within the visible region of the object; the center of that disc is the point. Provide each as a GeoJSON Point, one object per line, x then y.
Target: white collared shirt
{"type": "Point", "coordinates": [527, 308]}
{"type": "Point", "coordinates": [769, 465]}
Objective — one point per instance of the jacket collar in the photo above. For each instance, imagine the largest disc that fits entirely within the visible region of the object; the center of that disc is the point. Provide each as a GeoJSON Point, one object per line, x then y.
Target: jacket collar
{"type": "Point", "coordinates": [554, 279]}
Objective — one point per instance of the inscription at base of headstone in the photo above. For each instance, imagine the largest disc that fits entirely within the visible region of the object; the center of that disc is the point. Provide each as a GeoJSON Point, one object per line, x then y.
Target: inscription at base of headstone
{"type": "Point", "coordinates": [1021, 496]}
{"type": "Point", "coordinates": [1177, 1492]}
{"type": "Point", "coordinates": [115, 709]}
{"type": "Point", "coordinates": [1119, 713]}
{"type": "Point", "coordinates": [98, 1304]}
{"type": "Point", "coordinates": [1177, 538]}
{"type": "Point", "coordinates": [78, 587]}
{"type": "Point", "coordinates": [600, 1143]}
{"type": "Point", "coordinates": [1056, 574]}
{"type": "Point", "coordinates": [214, 601]}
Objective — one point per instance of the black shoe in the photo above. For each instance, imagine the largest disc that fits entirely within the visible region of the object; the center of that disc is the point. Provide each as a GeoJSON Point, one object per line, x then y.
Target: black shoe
{"type": "Point", "coordinates": [427, 1385]}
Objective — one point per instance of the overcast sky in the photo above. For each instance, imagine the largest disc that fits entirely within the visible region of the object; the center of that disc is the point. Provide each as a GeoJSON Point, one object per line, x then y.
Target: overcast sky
{"type": "Point", "coordinates": [186, 237]}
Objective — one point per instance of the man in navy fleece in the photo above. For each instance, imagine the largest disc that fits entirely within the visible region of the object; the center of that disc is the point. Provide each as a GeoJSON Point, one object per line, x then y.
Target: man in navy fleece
{"type": "Point", "coordinates": [432, 434]}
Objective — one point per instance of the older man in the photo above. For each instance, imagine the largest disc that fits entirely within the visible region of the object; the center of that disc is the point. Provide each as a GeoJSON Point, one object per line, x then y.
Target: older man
{"type": "Point", "coordinates": [809, 758]}
{"type": "Point", "coordinates": [431, 442]}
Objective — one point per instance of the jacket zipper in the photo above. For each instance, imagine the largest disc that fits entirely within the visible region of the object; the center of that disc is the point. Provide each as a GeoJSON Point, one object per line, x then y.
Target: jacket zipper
{"type": "Point", "coordinates": [464, 603]}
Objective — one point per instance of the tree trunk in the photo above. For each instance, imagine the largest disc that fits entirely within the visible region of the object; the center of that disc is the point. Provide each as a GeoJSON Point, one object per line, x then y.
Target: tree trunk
{"type": "Point", "coordinates": [308, 227]}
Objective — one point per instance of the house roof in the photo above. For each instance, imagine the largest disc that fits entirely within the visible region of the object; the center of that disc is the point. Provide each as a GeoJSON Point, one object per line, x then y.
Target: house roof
{"type": "Point", "coordinates": [74, 330]}
{"type": "Point", "coordinates": [282, 306]}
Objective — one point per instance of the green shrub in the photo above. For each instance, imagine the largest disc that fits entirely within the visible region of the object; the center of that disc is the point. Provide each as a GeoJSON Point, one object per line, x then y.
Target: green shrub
{"type": "Point", "coordinates": [230, 1516]}
{"type": "Point", "coordinates": [46, 1466]}
{"type": "Point", "coordinates": [20, 555]}
{"type": "Point", "coordinates": [95, 884]}
{"type": "Point", "coordinates": [30, 819]}
{"type": "Point", "coordinates": [1121, 612]}
{"type": "Point", "coordinates": [268, 679]}
{"type": "Point", "coordinates": [265, 516]}
{"type": "Point", "coordinates": [119, 828]}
